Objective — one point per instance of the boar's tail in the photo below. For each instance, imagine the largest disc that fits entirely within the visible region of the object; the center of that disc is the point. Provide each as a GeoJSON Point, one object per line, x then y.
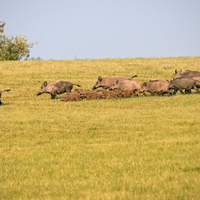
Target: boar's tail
{"type": "Point", "coordinates": [133, 76]}
{"type": "Point", "coordinates": [3, 91]}
{"type": "Point", "coordinates": [6, 90]}
{"type": "Point", "coordinates": [77, 85]}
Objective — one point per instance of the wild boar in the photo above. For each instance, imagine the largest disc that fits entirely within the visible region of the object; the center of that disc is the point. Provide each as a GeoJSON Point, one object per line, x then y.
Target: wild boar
{"type": "Point", "coordinates": [186, 74]}
{"type": "Point", "coordinates": [102, 94]}
{"type": "Point", "coordinates": [159, 86]}
{"type": "Point", "coordinates": [106, 82]}
{"type": "Point", "coordinates": [3, 91]}
{"type": "Point", "coordinates": [128, 85]}
{"type": "Point", "coordinates": [127, 93]}
{"type": "Point", "coordinates": [91, 95]}
{"type": "Point", "coordinates": [183, 83]}
{"type": "Point", "coordinates": [72, 96]}
{"type": "Point", "coordinates": [56, 87]}
{"type": "Point", "coordinates": [112, 94]}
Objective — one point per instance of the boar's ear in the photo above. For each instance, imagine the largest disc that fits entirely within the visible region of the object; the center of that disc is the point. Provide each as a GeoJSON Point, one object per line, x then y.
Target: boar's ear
{"type": "Point", "coordinates": [117, 81]}
{"type": "Point", "coordinates": [144, 84]}
{"type": "Point", "coordinates": [45, 84]}
{"type": "Point", "coordinates": [175, 71]}
{"type": "Point", "coordinates": [99, 78]}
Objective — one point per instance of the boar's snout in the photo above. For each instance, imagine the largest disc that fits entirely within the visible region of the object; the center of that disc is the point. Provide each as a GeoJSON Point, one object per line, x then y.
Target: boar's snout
{"type": "Point", "coordinates": [94, 87]}
{"type": "Point", "coordinates": [39, 93]}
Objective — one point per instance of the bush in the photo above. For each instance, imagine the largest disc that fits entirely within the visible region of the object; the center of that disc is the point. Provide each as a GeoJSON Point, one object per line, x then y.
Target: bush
{"type": "Point", "coordinates": [13, 48]}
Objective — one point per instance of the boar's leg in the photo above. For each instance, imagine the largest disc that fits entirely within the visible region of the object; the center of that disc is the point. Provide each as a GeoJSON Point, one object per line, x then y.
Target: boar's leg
{"type": "Point", "coordinates": [135, 93]}
{"type": "Point", "coordinates": [142, 93]}
{"type": "Point", "coordinates": [68, 90]}
{"type": "Point", "coordinates": [53, 96]}
{"type": "Point", "coordinates": [175, 90]}
{"type": "Point", "coordinates": [196, 89]}
{"type": "Point", "coordinates": [169, 93]}
{"type": "Point", "coordinates": [187, 91]}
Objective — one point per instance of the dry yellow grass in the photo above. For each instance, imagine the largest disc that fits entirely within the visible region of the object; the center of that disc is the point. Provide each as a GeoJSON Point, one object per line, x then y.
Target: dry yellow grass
{"type": "Point", "coordinates": [133, 148]}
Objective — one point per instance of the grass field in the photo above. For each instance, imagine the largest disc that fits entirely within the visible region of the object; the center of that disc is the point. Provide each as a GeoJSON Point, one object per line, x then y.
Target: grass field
{"type": "Point", "coordinates": [133, 148]}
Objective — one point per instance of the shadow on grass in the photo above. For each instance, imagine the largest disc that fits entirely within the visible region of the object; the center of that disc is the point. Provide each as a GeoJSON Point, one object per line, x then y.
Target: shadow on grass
{"type": "Point", "coordinates": [4, 104]}
{"type": "Point", "coordinates": [191, 169]}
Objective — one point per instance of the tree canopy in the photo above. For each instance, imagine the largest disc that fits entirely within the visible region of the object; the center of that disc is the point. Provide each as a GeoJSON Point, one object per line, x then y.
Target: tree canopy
{"type": "Point", "coordinates": [13, 48]}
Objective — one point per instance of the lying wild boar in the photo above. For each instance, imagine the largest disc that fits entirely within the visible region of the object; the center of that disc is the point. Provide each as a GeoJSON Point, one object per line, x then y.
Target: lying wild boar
{"type": "Point", "coordinates": [186, 74]}
{"type": "Point", "coordinates": [159, 86]}
{"type": "Point", "coordinates": [106, 82]}
{"type": "Point", "coordinates": [72, 96]}
{"type": "Point", "coordinates": [56, 87]}
{"type": "Point", "coordinates": [127, 93]}
{"type": "Point", "coordinates": [128, 85]}
{"type": "Point", "coordinates": [183, 83]}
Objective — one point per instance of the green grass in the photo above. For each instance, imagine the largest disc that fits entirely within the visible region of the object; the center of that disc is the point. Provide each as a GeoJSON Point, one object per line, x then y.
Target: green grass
{"type": "Point", "coordinates": [133, 148]}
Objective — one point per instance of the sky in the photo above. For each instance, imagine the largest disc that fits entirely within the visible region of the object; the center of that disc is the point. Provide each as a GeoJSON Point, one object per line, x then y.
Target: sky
{"type": "Point", "coordinates": [92, 29]}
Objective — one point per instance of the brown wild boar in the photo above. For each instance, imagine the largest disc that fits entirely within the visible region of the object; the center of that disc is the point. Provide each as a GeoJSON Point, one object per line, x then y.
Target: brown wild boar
{"type": "Point", "coordinates": [127, 93]}
{"type": "Point", "coordinates": [186, 74]}
{"type": "Point", "coordinates": [128, 85]}
{"type": "Point", "coordinates": [106, 82]}
{"type": "Point", "coordinates": [56, 87]}
{"type": "Point", "coordinates": [112, 94]}
{"type": "Point", "coordinates": [92, 95]}
{"type": "Point", "coordinates": [159, 86]}
{"type": "Point", "coordinates": [72, 96]}
{"type": "Point", "coordinates": [183, 83]}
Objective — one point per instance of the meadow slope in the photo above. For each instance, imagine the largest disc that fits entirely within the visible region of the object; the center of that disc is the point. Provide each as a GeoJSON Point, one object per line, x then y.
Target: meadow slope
{"type": "Point", "coordinates": [133, 148]}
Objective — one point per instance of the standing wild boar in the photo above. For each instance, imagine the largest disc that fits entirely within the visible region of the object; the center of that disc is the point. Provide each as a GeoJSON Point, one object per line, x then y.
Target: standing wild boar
{"type": "Point", "coordinates": [106, 82]}
{"type": "Point", "coordinates": [186, 74]}
{"type": "Point", "coordinates": [132, 85]}
{"type": "Point", "coordinates": [56, 87]}
{"type": "Point", "coordinates": [183, 83]}
{"type": "Point", "coordinates": [159, 86]}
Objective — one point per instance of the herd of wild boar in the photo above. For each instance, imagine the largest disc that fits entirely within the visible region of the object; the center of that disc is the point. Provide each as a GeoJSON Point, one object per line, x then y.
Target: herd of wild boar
{"type": "Point", "coordinates": [121, 87]}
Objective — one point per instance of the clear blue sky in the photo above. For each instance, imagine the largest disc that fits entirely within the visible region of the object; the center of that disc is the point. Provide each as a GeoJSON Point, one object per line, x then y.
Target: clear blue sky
{"type": "Point", "coordinates": [68, 29]}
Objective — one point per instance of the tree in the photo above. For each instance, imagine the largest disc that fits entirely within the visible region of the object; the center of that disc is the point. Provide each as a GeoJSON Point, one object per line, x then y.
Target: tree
{"type": "Point", "coordinates": [13, 48]}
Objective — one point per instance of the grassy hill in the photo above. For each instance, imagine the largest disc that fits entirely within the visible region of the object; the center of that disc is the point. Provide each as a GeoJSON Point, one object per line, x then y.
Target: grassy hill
{"type": "Point", "coordinates": [133, 148]}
